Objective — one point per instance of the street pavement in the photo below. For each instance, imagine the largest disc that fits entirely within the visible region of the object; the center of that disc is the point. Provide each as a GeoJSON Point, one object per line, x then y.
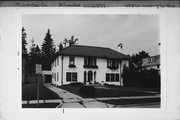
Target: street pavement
{"type": "Point", "coordinates": [70, 100]}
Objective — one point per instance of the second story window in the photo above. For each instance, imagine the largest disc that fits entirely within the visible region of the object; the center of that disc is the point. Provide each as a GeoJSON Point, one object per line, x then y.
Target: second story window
{"type": "Point", "coordinates": [151, 60]}
{"type": "Point", "coordinates": [72, 62]}
{"type": "Point", "coordinates": [112, 64]}
{"type": "Point", "coordinates": [90, 62]}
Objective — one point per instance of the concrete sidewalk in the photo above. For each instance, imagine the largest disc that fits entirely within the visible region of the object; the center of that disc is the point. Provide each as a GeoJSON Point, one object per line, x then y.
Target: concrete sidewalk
{"type": "Point", "coordinates": [70, 100]}
{"type": "Point", "coordinates": [42, 101]}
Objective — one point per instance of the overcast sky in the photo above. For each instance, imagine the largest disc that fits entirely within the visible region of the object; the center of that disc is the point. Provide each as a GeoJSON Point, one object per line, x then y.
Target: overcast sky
{"type": "Point", "coordinates": [136, 32]}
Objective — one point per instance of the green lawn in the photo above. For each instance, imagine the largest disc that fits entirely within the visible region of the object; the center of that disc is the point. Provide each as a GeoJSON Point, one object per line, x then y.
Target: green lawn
{"type": "Point", "coordinates": [41, 105]}
{"type": "Point", "coordinates": [136, 88]}
{"type": "Point", "coordinates": [131, 101]}
{"type": "Point", "coordinates": [29, 92]}
{"type": "Point", "coordinates": [106, 91]}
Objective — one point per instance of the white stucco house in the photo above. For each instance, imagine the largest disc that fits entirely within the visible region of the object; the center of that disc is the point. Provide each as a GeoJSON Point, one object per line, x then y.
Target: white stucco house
{"type": "Point", "coordinates": [89, 65]}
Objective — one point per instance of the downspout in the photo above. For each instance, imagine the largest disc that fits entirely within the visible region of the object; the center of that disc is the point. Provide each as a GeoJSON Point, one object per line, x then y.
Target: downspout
{"type": "Point", "coordinates": [62, 70]}
{"type": "Point", "coordinates": [120, 72]}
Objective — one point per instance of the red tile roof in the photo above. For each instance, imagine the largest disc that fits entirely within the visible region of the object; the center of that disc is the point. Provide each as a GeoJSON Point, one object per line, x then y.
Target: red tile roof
{"type": "Point", "coordinates": [92, 51]}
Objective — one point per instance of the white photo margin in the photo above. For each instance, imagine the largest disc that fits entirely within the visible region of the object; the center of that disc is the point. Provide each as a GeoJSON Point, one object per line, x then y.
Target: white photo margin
{"type": "Point", "coordinates": [78, 113]}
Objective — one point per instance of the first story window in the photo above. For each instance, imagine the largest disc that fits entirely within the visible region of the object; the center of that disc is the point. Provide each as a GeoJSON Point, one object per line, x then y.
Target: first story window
{"type": "Point", "coordinates": [57, 76]}
{"type": "Point", "coordinates": [112, 77]}
{"type": "Point", "coordinates": [71, 76]}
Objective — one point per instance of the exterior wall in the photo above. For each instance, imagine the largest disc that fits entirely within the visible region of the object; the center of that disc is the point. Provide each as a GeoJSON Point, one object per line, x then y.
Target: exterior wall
{"type": "Point", "coordinates": [151, 67]}
{"type": "Point", "coordinates": [102, 70]}
{"type": "Point", "coordinates": [79, 62]}
{"type": "Point", "coordinates": [56, 69]}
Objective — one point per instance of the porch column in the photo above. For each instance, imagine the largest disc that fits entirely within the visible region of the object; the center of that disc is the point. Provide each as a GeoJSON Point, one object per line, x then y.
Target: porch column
{"type": "Point", "coordinates": [62, 71]}
{"type": "Point", "coordinates": [94, 76]}
{"type": "Point", "coordinates": [87, 82]}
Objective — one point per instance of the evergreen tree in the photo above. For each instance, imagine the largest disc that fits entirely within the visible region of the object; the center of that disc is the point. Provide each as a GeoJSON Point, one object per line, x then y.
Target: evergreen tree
{"type": "Point", "coordinates": [24, 37]}
{"type": "Point", "coordinates": [32, 62]}
{"type": "Point", "coordinates": [34, 56]}
{"type": "Point", "coordinates": [47, 51]}
{"type": "Point", "coordinates": [37, 54]}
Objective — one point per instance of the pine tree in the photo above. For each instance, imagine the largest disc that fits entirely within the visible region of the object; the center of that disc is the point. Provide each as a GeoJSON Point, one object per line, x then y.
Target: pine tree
{"type": "Point", "coordinates": [24, 37]}
{"type": "Point", "coordinates": [47, 51]}
{"type": "Point", "coordinates": [32, 60]}
{"type": "Point", "coordinates": [34, 56]}
{"type": "Point", "coordinates": [37, 55]}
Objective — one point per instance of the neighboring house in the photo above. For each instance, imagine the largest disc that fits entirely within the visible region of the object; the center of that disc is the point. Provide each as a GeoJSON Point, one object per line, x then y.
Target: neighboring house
{"type": "Point", "coordinates": [89, 65]}
{"type": "Point", "coordinates": [151, 63]}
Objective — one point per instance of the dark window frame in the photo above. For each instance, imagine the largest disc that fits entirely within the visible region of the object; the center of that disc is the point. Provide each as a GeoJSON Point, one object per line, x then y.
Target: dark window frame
{"type": "Point", "coordinates": [112, 64]}
{"type": "Point", "coordinates": [90, 62]}
{"type": "Point", "coordinates": [112, 77]}
{"type": "Point", "coordinates": [71, 76]}
{"type": "Point", "coordinates": [108, 77]}
{"type": "Point", "coordinates": [72, 62]}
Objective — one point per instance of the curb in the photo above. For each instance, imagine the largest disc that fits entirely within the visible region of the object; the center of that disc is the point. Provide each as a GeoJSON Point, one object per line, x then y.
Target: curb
{"type": "Point", "coordinates": [60, 104]}
{"type": "Point", "coordinates": [137, 105]}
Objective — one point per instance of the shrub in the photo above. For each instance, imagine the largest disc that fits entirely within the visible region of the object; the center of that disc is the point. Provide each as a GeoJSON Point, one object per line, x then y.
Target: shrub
{"type": "Point", "coordinates": [106, 84]}
{"type": "Point", "coordinates": [110, 85]}
{"type": "Point", "coordinates": [87, 90]}
{"type": "Point", "coordinates": [77, 84]}
{"type": "Point", "coordinates": [144, 78]}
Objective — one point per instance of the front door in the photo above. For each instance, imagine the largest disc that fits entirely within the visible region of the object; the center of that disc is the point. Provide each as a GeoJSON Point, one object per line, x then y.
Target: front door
{"type": "Point", "coordinates": [90, 76]}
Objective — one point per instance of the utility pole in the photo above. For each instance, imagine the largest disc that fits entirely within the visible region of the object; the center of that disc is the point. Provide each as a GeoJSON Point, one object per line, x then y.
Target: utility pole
{"type": "Point", "coordinates": [38, 72]}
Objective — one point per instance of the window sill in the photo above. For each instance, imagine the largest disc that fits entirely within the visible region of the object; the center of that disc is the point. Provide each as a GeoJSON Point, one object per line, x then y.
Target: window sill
{"type": "Point", "coordinates": [72, 66]}
{"type": "Point", "coordinates": [113, 68]}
